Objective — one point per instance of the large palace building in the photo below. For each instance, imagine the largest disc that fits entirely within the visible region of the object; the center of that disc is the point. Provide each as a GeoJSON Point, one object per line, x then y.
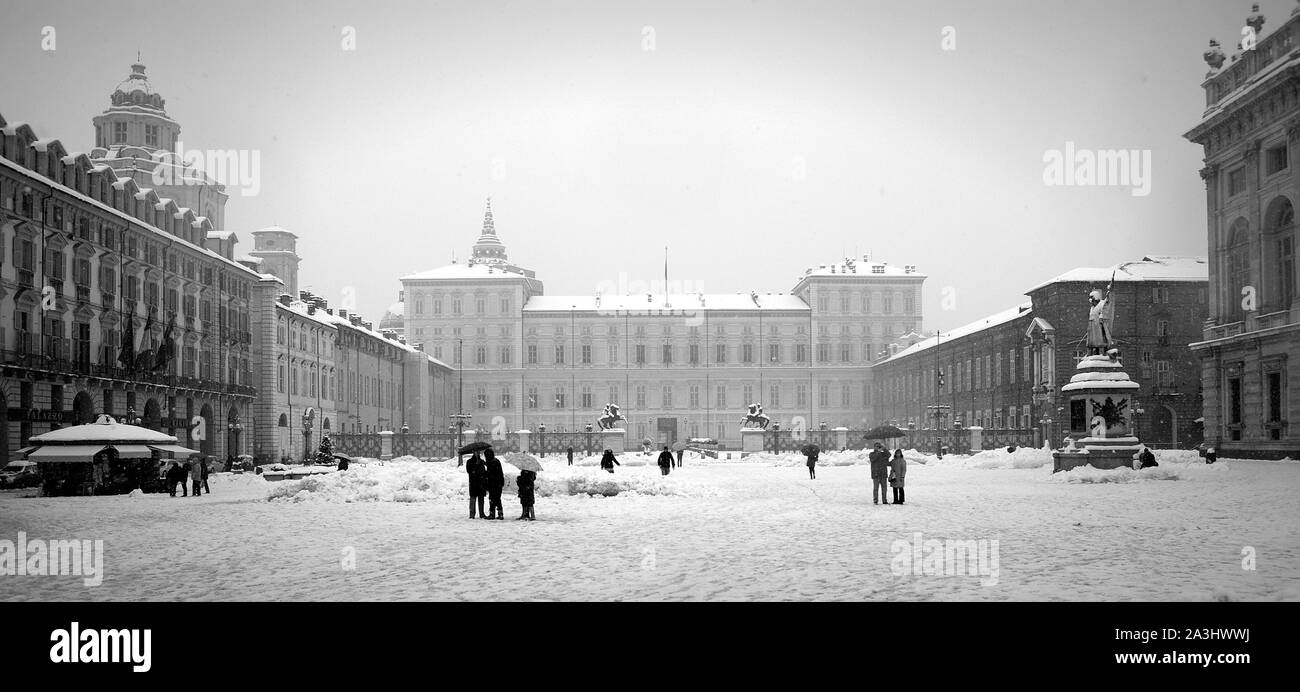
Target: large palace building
{"type": "Point", "coordinates": [678, 365]}
{"type": "Point", "coordinates": [117, 296]}
{"type": "Point", "coordinates": [1251, 338]}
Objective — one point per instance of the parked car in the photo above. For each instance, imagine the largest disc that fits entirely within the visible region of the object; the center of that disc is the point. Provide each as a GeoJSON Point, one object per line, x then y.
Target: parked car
{"type": "Point", "coordinates": [20, 474]}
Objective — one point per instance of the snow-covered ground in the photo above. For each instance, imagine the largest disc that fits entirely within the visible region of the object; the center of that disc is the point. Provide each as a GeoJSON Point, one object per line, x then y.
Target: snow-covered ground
{"type": "Point", "coordinates": [715, 529]}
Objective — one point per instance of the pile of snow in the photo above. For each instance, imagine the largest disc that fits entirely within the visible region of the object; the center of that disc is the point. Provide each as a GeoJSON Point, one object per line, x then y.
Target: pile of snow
{"type": "Point", "coordinates": [1022, 458]}
{"type": "Point", "coordinates": [1166, 471]}
{"type": "Point", "coordinates": [406, 479]}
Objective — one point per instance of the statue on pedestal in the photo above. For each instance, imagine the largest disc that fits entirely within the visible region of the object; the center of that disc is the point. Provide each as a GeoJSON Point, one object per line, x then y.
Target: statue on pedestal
{"type": "Point", "coordinates": [610, 417]}
{"type": "Point", "coordinates": [755, 418]}
{"type": "Point", "coordinates": [1101, 316]}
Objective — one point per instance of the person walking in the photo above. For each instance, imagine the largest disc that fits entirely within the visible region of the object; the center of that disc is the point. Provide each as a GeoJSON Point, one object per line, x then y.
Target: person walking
{"type": "Point", "coordinates": [812, 452]}
{"type": "Point", "coordinates": [526, 482]}
{"type": "Point", "coordinates": [206, 470]}
{"type": "Point", "coordinates": [879, 474]}
{"type": "Point", "coordinates": [665, 461]}
{"type": "Point", "coordinates": [196, 477]}
{"type": "Point", "coordinates": [608, 462]}
{"type": "Point", "coordinates": [175, 476]}
{"type": "Point", "coordinates": [681, 454]}
{"type": "Point", "coordinates": [898, 471]}
{"type": "Point", "coordinates": [478, 480]}
{"type": "Point", "coordinates": [495, 484]}
{"type": "Point", "coordinates": [570, 453]}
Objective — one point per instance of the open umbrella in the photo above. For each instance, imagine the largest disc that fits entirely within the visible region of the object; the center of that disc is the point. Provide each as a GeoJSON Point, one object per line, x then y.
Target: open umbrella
{"type": "Point", "coordinates": [883, 432]}
{"type": "Point", "coordinates": [680, 445]}
{"type": "Point", "coordinates": [523, 461]}
{"type": "Point", "coordinates": [810, 449]}
{"type": "Point", "coordinates": [474, 447]}
{"type": "Point", "coordinates": [340, 455]}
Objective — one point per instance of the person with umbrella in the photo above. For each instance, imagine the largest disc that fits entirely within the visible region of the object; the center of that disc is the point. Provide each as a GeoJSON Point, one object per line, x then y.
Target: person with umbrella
{"type": "Point", "coordinates": [608, 462]}
{"type": "Point", "coordinates": [879, 474]}
{"type": "Point", "coordinates": [478, 482]}
{"type": "Point", "coordinates": [495, 484]}
{"type": "Point", "coordinates": [665, 461]}
{"type": "Point", "coordinates": [526, 482]}
{"type": "Point", "coordinates": [811, 451]}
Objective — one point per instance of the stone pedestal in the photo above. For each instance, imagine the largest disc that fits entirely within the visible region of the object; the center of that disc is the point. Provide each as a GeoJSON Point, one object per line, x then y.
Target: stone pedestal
{"type": "Point", "coordinates": [1100, 416]}
{"type": "Point", "coordinates": [751, 441]}
{"type": "Point", "coordinates": [386, 445]}
{"type": "Point", "coordinates": [614, 439]}
{"type": "Point", "coordinates": [524, 436]}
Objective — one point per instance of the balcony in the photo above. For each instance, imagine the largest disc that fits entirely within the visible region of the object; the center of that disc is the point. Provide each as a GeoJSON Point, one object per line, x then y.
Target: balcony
{"type": "Point", "coordinates": [108, 301]}
{"type": "Point", "coordinates": [83, 294]}
{"type": "Point", "coordinates": [26, 278]}
{"type": "Point", "coordinates": [1272, 320]}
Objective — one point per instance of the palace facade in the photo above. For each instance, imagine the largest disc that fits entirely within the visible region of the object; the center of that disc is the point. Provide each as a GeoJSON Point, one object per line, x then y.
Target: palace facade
{"type": "Point", "coordinates": [679, 366]}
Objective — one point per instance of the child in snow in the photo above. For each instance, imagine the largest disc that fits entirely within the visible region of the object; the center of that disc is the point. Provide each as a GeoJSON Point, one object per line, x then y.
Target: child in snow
{"type": "Point", "coordinates": [526, 480]}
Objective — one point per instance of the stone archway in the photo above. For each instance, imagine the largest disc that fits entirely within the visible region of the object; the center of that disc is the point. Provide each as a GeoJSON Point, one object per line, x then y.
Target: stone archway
{"type": "Point", "coordinates": [1164, 426]}
{"type": "Point", "coordinates": [83, 408]}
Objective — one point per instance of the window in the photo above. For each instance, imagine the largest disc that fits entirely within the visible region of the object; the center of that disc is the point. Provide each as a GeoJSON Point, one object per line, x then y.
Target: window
{"type": "Point", "coordinates": [1285, 259]}
{"type": "Point", "coordinates": [585, 401]}
{"type": "Point", "coordinates": [505, 399]}
{"type": "Point", "coordinates": [1273, 386]}
{"type": "Point", "coordinates": [846, 397]}
{"type": "Point", "coordinates": [693, 354]}
{"type": "Point", "coordinates": [640, 397]}
{"type": "Point", "coordinates": [889, 303]}
{"type": "Point", "coordinates": [480, 355]}
{"type": "Point", "coordinates": [774, 353]}
{"type": "Point", "coordinates": [1162, 328]}
{"type": "Point", "coordinates": [801, 353]}
{"type": "Point", "coordinates": [721, 397]}
{"type": "Point", "coordinates": [1164, 377]}
{"type": "Point", "coordinates": [1234, 405]}
{"type": "Point", "coordinates": [640, 354]}
{"type": "Point", "coordinates": [801, 396]}
{"type": "Point", "coordinates": [532, 354]}
{"type": "Point", "coordinates": [694, 396]}
{"type": "Point", "coordinates": [845, 353]}
{"type": "Point", "coordinates": [532, 397]}
{"type": "Point", "coordinates": [774, 396]}
{"type": "Point", "coordinates": [667, 354]}
{"type": "Point", "coordinates": [151, 135]}
{"type": "Point", "coordinates": [1276, 160]}
{"type": "Point", "coordinates": [823, 353]}
{"type": "Point", "coordinates": [586, 354]}
{"type": "Point", "coordinates": [668, 397]}
{"type": "Point", "coordinates": [909, 303]}
{"type": "Point", "coordinates": [1236, 182]}
{"type": "Point", "coordinates": [119, 133]}
{"type": "Point", "coordinates": [1160, 294]}
{"type": "Point", "coordinates": [824, 396]}
{"type": "Point", "coordinates": [747, 353]}
{"type": "Point", "coordinates": [720, 353]}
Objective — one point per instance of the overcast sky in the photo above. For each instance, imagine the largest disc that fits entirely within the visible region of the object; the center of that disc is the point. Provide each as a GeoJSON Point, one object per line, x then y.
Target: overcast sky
{"type": "Point", "coordinates": [755, 139]}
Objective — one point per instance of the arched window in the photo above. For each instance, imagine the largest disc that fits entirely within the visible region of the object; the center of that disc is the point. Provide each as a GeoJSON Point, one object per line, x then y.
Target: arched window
{"type": "Point", "coordinates": [1236, 270]}
{"type": "Point", "coordinates": [1280, 238]}
{"type": "Point", "coordinates": [284, 420]}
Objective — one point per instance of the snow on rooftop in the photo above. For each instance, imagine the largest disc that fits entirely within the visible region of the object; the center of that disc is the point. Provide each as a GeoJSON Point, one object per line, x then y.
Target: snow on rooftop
{"type": "Point", "coordinates": [466, 271]}
{"type": "Point", "coordinates": [865, 267]}
{"type": "Point", "coordinates": [1150, 268]}
{"type": "Point", "coordinates": [655, 303]}
{"type": "Point", "coordinates": [977, 326]}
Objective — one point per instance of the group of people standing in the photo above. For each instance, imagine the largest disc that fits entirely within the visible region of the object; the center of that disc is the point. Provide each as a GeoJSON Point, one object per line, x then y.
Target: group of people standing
{"type": "Point", "coordinates": [196, 471]}
{"type": "Point", "coordinates": [887, 471]}
{"type": "Point", "coordinates": [487, 480]}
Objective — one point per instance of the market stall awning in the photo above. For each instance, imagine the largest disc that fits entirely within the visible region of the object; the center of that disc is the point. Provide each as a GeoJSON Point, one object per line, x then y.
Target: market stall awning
{"type": "Point", "coordinates": [25, 451]}
{"type": "Point", "coordinates": [175, 449]}
{"type": "Point", "coordinates": [66, 453]}
{"type": "Point", "coordinates": [133, 451]}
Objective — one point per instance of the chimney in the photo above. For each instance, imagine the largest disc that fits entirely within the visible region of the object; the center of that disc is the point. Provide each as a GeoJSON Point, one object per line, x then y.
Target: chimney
{"type": "Point", "coordinates": [355, 319]}
{"type": "Point", "coordinates": [329, 311]}
{"type": "Point", "coordinates": [285, 299]}
{"type": "Point", "coordinates": [369, 326]}
{"type": "Point", "coordinates": [343, 313]}
{"type": "Point", "coordinates": [420, 347]}
{"type": "Point", "coordinates": [311, 309]}
{"type": "Point", "coordinates": [304, 296]}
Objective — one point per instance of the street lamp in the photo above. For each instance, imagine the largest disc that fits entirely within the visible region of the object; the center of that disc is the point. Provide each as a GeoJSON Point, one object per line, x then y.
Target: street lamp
{"type": "Point", "coordinates": [235, 427]}
{"type": "Point", "coordinates": [306, 434]}
{"type": "Point", "coordinates": [541, 437]}
{"type": "Point", "coordinates": [460, 420]}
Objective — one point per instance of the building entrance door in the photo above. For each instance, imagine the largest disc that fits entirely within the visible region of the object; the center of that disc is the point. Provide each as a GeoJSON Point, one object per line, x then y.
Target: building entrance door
{"type": "Point", "coordinates": [667, 430]}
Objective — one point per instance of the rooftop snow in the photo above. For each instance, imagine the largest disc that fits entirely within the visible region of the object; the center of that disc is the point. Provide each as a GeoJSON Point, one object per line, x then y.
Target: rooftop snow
{"type": "Point", "coordinates": [1150, 268]}
{"type": "Point", "coordinates": [853, 267]}
{"type": "Point", "coordinates": [655, 303]}
{"type": "Point", "coordinates": [466, 271]}
{"type": "Point", "coordinates": [972, 328]}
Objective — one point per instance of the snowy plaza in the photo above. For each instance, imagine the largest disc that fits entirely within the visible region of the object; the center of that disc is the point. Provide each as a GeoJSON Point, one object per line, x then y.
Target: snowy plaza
{"type": "Point", "coordinates": [726, 529]}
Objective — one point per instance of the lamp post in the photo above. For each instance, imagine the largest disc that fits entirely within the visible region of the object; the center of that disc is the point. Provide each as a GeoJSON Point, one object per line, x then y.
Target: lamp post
{"type": "Point", "coordinates": [588, 429]}
{"type": "Point", "coordinates": [459, 421]}
{"type": "Point", "coordinates": [234, 426]}
{"type": "Point", "coordinates": [306, 434]}
{"type": "Point", "coordinates": [541, 437]}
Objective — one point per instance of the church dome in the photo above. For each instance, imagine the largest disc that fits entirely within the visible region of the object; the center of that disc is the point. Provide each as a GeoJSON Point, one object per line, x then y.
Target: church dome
{"type": "Point", "coordinates": [136, 90]}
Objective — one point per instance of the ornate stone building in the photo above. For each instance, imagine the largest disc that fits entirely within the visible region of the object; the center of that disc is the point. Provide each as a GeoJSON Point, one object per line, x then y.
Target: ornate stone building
{"type": "Point", "coordinates": [1251, 339]}
{"type": "Point", "coordinates": [679, 365]}
{"type": "Point", "coordinates": [115, 297]}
